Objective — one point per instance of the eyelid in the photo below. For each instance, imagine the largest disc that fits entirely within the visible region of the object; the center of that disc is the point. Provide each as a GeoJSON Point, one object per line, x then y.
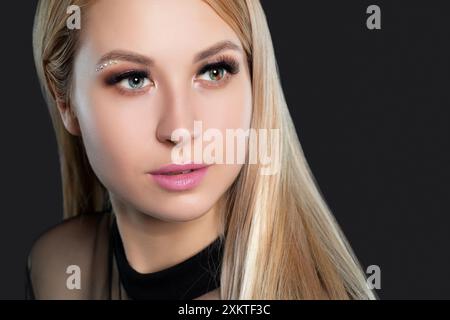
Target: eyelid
{"type": "Point", "coordinates": [115, 80]}
{"type": "Point", "coordinates": [117, 77]}
{"type": "Point", "coordinates": [221, 61]}
{"type": "Point", "coordinates": [230, 64]}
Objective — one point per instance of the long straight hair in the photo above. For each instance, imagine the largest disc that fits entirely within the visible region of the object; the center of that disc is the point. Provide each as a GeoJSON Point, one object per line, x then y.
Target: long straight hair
{"type": "Point", "coordinates": [281, 240]}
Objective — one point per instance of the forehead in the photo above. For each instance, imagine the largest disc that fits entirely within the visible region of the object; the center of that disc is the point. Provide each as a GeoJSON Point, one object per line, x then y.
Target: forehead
{"type": "Point", "coordinates": [159, 27]}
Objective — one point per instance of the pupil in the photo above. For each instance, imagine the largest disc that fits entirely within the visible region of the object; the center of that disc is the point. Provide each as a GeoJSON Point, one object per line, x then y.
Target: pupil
{"type": "Point", "coordinates": [216, 73]}
{"type": "Point", "coordinates": [135, 82]}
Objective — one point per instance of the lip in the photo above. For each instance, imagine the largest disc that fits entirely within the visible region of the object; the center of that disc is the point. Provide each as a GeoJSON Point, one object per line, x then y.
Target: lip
{"type": "Point", "coordinates": [182, 181]}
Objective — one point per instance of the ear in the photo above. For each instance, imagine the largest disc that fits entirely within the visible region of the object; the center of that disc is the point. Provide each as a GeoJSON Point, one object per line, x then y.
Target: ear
{"type": "Point", "coordinates": [68, 117]}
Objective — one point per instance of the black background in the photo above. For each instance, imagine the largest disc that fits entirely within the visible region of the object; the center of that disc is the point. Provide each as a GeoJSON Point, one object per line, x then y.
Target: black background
{"type": "Point", "coordinates": [371, 108]}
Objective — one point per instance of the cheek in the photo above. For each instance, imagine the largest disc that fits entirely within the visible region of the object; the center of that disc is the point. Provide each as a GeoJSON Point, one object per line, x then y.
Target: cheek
{"type": "Point", "coordinates": [115, 134]}
{"type": "Point", "coordinates": [229, 109]}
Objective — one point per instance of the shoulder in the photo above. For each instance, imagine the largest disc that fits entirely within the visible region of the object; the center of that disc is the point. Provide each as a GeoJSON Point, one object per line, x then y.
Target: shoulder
{"type": "Point", "coordinates": [73, 233]}
{"type": "Point", "coordinates": [75, 242]}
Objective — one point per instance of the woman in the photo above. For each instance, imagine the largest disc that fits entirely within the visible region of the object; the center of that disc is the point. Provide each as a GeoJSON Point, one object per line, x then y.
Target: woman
{"type": "Point", "coordinates": [140, 226]}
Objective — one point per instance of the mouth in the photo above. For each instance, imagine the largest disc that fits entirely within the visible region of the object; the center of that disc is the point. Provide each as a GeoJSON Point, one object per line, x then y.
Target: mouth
{"type": "Point", "coordinates": [177, 172]}
{"type": "Point", "coordinates": [176, 169]}
{"type": "Point", "coordinates": [180, 177]}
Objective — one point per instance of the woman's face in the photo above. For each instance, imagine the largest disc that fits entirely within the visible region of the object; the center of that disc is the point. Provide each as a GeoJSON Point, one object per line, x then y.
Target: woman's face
{"type": "Point", "coordinates": [156, 84]}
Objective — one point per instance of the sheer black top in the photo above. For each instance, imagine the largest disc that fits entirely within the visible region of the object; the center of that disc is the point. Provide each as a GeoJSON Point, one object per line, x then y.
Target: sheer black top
{"type": "Point", "coordinates": [92, 244]}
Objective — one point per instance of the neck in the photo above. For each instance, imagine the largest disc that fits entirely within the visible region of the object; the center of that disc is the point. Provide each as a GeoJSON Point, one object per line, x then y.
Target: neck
{"type": "Point", "coordinates": [152, 244]}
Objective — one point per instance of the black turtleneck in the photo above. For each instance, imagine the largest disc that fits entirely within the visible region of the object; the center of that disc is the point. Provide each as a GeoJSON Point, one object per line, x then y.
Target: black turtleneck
{"type": "Point", "coordinates": [186, 280]}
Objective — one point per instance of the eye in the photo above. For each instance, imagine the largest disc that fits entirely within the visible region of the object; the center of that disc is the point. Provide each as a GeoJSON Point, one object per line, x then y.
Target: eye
{"type": "Point", "coordinates": [131, 81]}
{"type": "Point", "coordinates": [134, 82]}
{"type": "Point", "coordinates": [219, 71]}
{"type": "Point", "coordinates": [214, 74]}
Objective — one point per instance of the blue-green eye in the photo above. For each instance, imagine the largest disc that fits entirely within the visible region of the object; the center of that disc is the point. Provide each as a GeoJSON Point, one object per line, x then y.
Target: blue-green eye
{"type": "Point", "coordinates": [134, 82]}
{"type": "Point", "coordinates": [217, 71]}
{"type": "Point", "coordinates": [131, 80]}
{"type": "Point", "coordinates": [215, 74]}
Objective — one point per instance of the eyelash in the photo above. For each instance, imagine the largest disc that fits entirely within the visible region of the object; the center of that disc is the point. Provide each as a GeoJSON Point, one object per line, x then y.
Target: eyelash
{"type": "Point", "coordinates": [230, 65]}
{"type": "Point", "coordinates": [115, 80]}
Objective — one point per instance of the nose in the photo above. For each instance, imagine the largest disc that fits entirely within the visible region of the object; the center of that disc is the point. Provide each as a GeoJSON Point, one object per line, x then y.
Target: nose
{"type": "Point", "coordinates": [177, 111]}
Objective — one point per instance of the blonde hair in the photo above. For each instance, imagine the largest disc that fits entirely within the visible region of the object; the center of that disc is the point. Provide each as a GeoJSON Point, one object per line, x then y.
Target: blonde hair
{"type": "Point", "coordinates": [281, 240]}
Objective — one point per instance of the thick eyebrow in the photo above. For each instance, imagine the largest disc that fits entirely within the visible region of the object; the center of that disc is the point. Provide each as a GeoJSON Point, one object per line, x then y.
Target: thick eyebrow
{"type": "Point", "coordinates": [215, 49]}
{"type": "Point", "coordinates": [123, 55]}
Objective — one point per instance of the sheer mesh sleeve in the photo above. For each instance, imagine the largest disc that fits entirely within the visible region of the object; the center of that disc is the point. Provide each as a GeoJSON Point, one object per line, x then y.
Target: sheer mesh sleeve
{"type": "Point", "coordinates": [72, 260]}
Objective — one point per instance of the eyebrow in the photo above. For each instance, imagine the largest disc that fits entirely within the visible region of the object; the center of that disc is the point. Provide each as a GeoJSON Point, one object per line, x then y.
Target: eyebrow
{"type": "Point", "coordinates": [123, 55]}
{"type": "Point", "coordinates": [215, 49]}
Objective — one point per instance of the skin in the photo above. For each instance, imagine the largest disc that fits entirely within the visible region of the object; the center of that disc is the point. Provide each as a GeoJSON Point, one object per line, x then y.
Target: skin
{"type": "Point", "coordinates": [127, 135]}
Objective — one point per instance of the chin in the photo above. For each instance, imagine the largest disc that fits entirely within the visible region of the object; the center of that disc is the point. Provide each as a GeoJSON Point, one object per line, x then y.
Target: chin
{"type": "Point", "coordinates": [182, 208]}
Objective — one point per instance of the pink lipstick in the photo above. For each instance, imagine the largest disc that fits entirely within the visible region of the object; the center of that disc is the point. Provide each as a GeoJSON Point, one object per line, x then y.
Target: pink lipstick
{"type": "Point", "coordinates": [175, 177]}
